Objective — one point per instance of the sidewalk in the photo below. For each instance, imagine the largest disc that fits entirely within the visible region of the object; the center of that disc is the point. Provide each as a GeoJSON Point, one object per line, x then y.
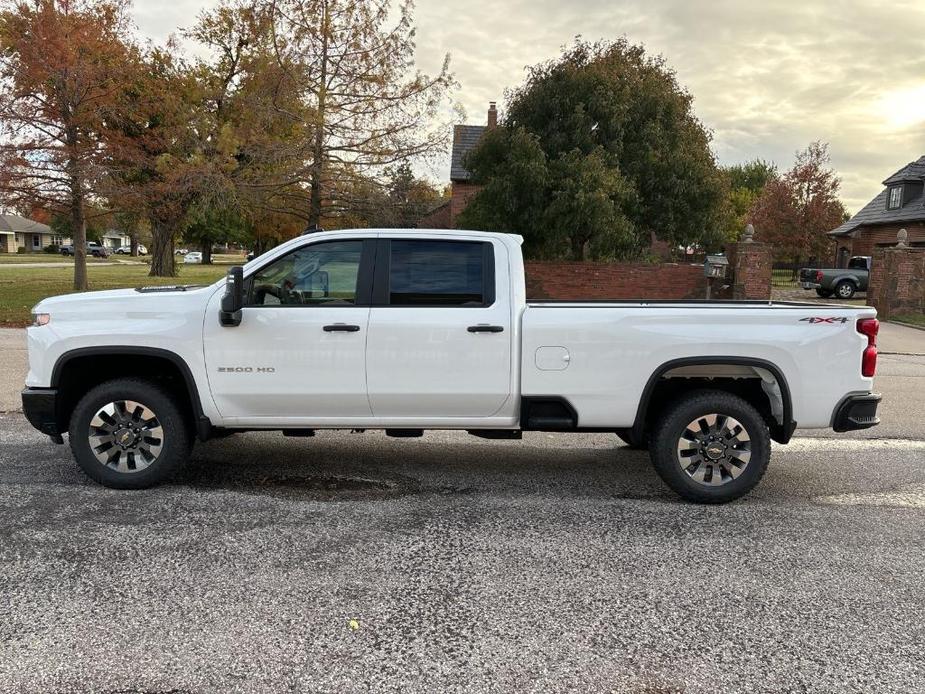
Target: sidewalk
{"type": "Point", "coordinates": [900, 339]}
{"type": "Point", "coordinates": [13, 373]}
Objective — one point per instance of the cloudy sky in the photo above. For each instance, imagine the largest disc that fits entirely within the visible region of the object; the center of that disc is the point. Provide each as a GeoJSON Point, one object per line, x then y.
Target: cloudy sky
{"type": "Point", "coordinates": [768, 76]}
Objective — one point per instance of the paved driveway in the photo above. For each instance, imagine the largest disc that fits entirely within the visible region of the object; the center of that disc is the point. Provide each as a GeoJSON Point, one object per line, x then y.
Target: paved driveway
{"type": "Point", "coordinates": [354, 562]}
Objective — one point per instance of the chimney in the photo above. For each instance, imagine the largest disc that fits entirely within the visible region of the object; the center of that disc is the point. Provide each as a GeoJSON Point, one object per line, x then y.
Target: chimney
{"type": "Point", "coordinates": [492, 115]}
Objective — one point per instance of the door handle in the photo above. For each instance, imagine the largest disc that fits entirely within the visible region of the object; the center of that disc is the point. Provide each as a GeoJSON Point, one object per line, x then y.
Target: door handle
{"type": "Point", "coordinates": [485, 328]}
{"type": "Point", "coordinates": [341, 328]}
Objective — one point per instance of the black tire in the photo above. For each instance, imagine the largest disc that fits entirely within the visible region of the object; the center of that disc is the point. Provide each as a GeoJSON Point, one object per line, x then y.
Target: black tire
{"type": "Point", "coordinates": [845, 290]}
{"type": "Point", "coordinates": [176, 440]}
{"type": "Point", "coordinates": [670, 432]}
{"type": "Point", "coordinates": [824, 293]}
{"type": "Point", "coordinates": [632, 442]}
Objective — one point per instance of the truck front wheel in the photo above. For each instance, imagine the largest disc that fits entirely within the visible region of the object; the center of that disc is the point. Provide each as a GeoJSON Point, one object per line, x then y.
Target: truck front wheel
{"type": "Point", "coordinates": [129, 434]}
{"type": "Point", "coordinates": [711, 447]}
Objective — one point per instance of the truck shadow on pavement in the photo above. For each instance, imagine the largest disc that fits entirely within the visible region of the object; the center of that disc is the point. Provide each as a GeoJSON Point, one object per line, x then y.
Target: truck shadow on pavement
{"type": "Point", "coordinates": [336, 466]}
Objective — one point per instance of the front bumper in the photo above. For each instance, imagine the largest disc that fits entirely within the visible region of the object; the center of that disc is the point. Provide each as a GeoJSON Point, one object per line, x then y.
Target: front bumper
{"type": "Point", "coordinates": [856, 412]}
{"type": "Point", "coordinates": [40, 405]}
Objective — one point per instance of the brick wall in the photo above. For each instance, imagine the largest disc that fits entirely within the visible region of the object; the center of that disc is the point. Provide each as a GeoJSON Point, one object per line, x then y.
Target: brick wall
{"type": "Point", "coordinates": [462, 194]}
{"type": "Point", "coordinates": [750, 264]}
{"type": "Point", "coordinates": [578, 281]}
{"type": "Point", "coordinates": [438, 218]}
{"type": "Point", "coordinates": [897, 281]}
{"type": "Point", "coordinates": [869, 238]}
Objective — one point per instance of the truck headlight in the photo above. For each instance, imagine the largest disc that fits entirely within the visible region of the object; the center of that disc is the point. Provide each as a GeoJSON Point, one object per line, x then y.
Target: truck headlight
{"type": "Point", "coordinates": [40, 319]}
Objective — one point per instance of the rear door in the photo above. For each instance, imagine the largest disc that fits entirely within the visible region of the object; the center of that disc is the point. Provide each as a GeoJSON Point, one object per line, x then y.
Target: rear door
{"type": "Point", "coordinates": [440, 329]}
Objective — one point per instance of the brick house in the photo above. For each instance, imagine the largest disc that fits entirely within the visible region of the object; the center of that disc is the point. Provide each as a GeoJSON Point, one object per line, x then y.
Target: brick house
{"type": "Point", "coordinates": [465, 137]}
{"type": "Point", "coordinates": [900, 205]}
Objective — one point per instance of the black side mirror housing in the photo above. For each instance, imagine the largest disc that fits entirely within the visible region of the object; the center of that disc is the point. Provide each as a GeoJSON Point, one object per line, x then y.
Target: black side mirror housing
{"type": "Point", "coordinates": [233, 300]}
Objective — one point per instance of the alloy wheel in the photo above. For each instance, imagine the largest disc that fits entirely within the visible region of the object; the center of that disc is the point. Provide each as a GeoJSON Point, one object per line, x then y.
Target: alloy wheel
{"type": "Point", "coordinates": [714, 449]}
{"type": "Point", "coordinates": [126, 436]}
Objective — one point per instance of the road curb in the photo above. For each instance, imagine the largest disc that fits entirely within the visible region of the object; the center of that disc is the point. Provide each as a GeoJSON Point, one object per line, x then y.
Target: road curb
{"type": "Point", "coordinates": [906, 325]}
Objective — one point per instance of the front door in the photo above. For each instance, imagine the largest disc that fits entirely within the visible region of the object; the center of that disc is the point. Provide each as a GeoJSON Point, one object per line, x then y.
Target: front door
{"type": "Point", "coordinates": [300, 349]}
{"type": "Point", "coordinates": [36, 242]}
{"type": "Point", "coordinates": [440, 329]}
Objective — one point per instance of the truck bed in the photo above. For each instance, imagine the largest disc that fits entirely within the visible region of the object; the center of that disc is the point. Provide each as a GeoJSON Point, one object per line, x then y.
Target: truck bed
{"type": "Point", "coordinates": [601, 355]}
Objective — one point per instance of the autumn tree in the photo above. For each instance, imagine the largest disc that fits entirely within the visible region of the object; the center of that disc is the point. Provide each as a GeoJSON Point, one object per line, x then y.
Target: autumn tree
{"type": "Point", "coordinates": [409, 197]}
{"type": "Point", "coordinates": [353, 68]}
{"type": "Point", "coordinates": [254, 136]}
{"type": "Point", "coordinates": [61, 68]}
{"type": "Point", "coordinates": [398, 200]}
{"type": "Point", "coordinates": [597, 150]}
{"type": "Point", "coordinates": [152, 155]}
{"type": "Point", "coordinates": [795, 211]}
{"type": "Point", "coordinates": [744, 185]}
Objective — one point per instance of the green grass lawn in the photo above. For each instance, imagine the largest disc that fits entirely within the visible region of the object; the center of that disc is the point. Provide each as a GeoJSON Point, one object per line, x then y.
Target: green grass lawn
{"type": "Point", "coordinates": [911, 318]}
{"type": "Point", "coordinates": [228, 259]}
{"type": "Point", "coordinates": [783, 278]}
{"type": "Point", "coordinates": [23, 288]}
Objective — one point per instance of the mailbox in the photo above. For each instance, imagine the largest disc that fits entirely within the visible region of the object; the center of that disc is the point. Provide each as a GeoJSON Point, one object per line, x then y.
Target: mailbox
{"type": "Point", "coordinates": [715, 266]}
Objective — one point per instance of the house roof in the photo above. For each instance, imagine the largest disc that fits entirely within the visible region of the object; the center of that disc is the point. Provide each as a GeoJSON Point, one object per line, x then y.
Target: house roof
{"type": "Point", "coordinates": [876, 212]}
{"type": "Point", "coordinates": [114, 234]}
{"type": "Point", "coordinates": [21, 225]}
{"type": "Point", "coordinates": [465, 137]}
{"type": "Point", "coordinates": [913, 171]}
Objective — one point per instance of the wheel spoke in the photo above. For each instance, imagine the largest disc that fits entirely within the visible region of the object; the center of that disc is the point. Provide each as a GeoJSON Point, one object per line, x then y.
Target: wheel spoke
{"type": "Point", "coordinates": [740, 455]}
{"type": "Point", "coordinates": [126, 436]}
{"type": "Point", "coordinates": [714, 449]}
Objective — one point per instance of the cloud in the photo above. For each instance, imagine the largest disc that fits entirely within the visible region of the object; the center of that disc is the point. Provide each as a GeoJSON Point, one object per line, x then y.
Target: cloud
{"type": "Point", "coordinates": [767, 77]}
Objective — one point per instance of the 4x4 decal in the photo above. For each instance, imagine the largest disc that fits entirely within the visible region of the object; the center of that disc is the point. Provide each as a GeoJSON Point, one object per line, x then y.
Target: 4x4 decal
{"type": "Point", "coordinates": [832, 319]}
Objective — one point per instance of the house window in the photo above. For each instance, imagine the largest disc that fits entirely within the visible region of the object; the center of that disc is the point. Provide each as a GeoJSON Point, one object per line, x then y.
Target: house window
{"type": "Point", "coordinates": [896, 198]}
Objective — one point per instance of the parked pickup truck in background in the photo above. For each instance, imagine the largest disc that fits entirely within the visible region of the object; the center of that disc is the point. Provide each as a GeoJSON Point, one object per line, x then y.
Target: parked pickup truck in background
{"type": "Point", "coordinates": [843, 283]}
{"type": "Point", "coordinates": [93, 249]}
{"type": "Point", "coordinates": [413, 330]}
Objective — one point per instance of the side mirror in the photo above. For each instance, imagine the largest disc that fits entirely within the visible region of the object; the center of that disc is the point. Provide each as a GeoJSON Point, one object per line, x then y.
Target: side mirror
{"type": "Point", "coordinates": [233, 300]}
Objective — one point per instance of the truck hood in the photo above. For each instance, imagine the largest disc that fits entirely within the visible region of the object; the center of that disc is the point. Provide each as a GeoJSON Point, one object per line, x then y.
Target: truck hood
{"type": "Point", "coordinates": [121, 302]}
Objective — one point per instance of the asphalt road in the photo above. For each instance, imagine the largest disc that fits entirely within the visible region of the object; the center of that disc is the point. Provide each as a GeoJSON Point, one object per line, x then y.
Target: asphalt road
{"type": "Point", "coordinates": [354, 562]}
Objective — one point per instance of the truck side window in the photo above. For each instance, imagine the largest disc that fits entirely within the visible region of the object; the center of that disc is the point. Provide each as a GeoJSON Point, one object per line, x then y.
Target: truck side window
{"type": "Point", "coordinates": [439, 273]}
{"type": "Point", "coordinates": [322, 273]}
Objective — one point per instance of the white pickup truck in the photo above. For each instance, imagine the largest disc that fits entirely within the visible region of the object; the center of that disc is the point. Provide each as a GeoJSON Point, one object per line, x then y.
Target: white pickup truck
{"type": "Point", "coordinates": [412, 330]}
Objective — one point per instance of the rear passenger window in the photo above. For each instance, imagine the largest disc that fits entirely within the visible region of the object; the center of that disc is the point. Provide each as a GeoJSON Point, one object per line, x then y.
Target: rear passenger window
{"type": "Point", "coordinates": [440, 273]}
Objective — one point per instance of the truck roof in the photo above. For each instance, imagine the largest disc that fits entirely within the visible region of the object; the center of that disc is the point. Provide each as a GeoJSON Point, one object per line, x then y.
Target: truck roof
{"type": "Point", "coordinates": [436, 232]}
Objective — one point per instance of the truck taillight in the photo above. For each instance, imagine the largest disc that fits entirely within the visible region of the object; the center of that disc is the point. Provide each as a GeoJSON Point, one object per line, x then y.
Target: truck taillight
{"type": "Point", "coordinates": [869, 327]}
{"type": "Point", "coordinates": [818, 276]}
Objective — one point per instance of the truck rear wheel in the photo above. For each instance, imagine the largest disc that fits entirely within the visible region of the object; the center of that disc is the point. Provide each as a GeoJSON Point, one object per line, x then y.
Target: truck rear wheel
{"type": "Point", "coordinates": [129, 434]}
{"type": "Point", "coordinates": [845, 289]}
{"type": "Point", "coordinates": [711, 447]}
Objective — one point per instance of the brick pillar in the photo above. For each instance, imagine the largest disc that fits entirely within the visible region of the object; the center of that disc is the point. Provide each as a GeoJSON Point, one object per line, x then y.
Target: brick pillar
{"type": "Point", "coordinates": [750, 263]}
{"type": "Point", "coordinates": [897, 281]}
